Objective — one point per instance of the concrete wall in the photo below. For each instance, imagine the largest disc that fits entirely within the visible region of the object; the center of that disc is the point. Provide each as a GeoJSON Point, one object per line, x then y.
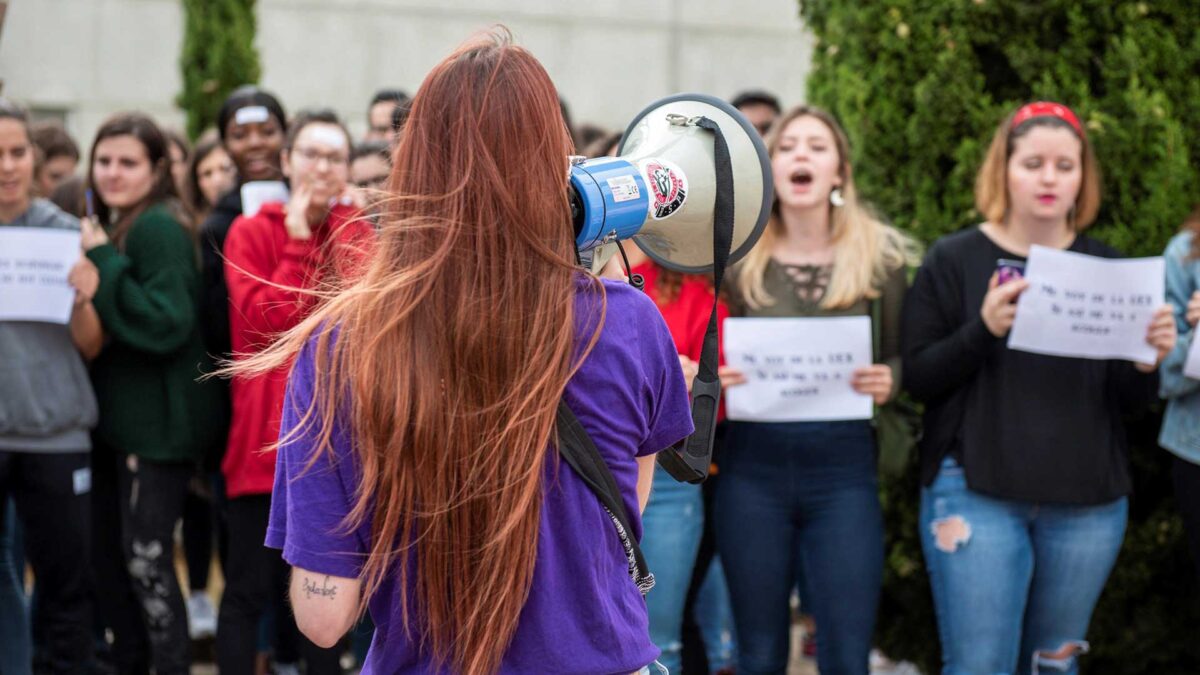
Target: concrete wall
{"type": "Point", "coordinates": [89, 58]}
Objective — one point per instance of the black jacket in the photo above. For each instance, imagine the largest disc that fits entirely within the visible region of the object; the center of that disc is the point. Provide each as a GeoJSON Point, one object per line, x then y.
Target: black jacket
{"type": "Point", "coordinates": [214, 298]}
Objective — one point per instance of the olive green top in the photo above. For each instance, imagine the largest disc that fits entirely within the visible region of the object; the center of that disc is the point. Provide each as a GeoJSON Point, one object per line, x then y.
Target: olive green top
{"type": "Point", "coordinates": [799, 289]}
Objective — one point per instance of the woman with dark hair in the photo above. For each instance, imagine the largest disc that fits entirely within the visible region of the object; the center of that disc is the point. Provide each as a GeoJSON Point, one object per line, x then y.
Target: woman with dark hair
{"type": "Point", "coordinates": [156, 420]}
{"type": "Point", "coordinates": [417, 474]}
{"type": "Point", "coordinates": [46, 412]}
{"type": "Point", "coordinates": [181, 155]}
{"type": "Point", "coordinates": [211, 174]}
{"type": "Point", "coordinates": [276, 260]}
{"type": "Point", "coordinates": [1024, 458]}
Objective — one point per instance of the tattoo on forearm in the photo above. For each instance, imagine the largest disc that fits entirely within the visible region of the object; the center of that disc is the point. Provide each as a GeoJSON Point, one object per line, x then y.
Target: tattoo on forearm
{"type": "Point", "coordinates": [325, 590]}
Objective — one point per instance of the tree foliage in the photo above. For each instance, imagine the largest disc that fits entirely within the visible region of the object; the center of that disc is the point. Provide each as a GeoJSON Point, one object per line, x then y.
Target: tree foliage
{"type": "Point", "coordinates": [920, 86]}
{"type": "Point", "coordinates": [218, 56]}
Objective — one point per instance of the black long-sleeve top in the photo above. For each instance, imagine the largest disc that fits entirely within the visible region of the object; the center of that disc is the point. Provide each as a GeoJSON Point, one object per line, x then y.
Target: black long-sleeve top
{"type": "Point", "coordinates": [214, 302]}
{"type": "Point", "coordinates": [1025, 426]}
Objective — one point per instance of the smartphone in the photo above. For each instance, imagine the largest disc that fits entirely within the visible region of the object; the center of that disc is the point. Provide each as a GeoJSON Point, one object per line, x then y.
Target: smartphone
{"type": "Point", "coordinates": [1008, 270]}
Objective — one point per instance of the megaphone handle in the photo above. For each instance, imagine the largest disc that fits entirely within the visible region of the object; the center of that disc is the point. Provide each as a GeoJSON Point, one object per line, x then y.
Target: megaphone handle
{"type": "Point", "coordinates": [688, 462]}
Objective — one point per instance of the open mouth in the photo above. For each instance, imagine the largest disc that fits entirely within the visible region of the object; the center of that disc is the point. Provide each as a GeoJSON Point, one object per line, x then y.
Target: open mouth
{"type": "Point", "coordinates": [1047, 199]}
{"type": "Point", "coordinates": [801, 178]}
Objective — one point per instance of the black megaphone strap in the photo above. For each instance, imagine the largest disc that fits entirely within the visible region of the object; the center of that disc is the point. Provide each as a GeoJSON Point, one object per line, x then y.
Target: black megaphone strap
{"type": "Point", "coordinates": [689, 460]}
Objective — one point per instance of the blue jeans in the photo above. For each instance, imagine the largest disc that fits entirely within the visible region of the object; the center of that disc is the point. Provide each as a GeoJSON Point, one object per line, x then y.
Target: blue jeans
{"type": "Point", "coordinates": [793, 493]}
{"type": "Point", "coordinates": [714, 616]}
{"type": "Point", "coordinates": [1014, 583]}
{"type": "Point", "coordinates": [671, 529]}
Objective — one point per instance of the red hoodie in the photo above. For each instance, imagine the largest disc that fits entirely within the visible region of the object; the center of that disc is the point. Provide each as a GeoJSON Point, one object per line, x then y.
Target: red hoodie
{"type": "Point", "coordinates": [263, 269]}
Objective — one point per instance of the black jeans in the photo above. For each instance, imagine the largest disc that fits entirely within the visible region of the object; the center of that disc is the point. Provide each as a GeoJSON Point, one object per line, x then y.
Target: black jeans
{"type": "Point", "coordinates": [1186, 477]}
{"type": "Point", "coordinates": [137, 586]}
{"type": "Point", "coordinates": [197, 538]}
{"type": "Point", "coordinates": [255, 577]}
{"type": "Point", "coordinates": [51, 494]}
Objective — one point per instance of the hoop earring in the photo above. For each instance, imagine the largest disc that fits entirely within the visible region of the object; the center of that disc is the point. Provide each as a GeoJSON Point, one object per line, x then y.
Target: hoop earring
{"type": "Point", "coordinates": [835, 197]}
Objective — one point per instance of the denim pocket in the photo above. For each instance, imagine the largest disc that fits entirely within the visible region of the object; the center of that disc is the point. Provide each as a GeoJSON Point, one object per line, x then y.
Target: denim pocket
{"type": "Point", "coordinates": [950, 478]}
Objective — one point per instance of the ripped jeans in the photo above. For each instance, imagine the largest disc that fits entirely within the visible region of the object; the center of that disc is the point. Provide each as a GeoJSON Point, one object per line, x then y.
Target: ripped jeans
{"type": "Point", "coordinates": [1014, 583]}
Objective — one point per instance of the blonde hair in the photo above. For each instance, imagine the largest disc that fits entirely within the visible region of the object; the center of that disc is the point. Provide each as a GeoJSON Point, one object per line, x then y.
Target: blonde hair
{"type": "Point", "coordinates": [865, 248]}
{"type": "Point", "coordinates": [991, 183]}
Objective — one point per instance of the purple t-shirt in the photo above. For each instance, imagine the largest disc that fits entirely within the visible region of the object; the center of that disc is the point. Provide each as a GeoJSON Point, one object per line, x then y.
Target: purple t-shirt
{"type": "Point", "coordinates": [584, 615]}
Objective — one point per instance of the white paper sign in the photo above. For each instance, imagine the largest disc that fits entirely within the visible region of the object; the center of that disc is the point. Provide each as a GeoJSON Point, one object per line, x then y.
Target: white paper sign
{"type": "Point", "coordinates": [1087, 307]}
{"type": "Point", "coordinates": [798, 370]}
{"type": "Point", "coordinates": [34, 263]}
{"type": "Point", "coordinates": [1191, 367]}
{"type": "Point", "coordinates": [259, 192]}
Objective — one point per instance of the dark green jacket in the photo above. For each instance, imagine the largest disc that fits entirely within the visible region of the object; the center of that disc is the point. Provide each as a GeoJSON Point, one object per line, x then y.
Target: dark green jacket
{"type": "Point", "coordinates": [145, 378]}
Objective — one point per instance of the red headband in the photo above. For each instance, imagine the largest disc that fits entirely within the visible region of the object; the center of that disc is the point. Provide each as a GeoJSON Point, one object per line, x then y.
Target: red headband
{"type": "Point", "coordinates": [1046, 109]}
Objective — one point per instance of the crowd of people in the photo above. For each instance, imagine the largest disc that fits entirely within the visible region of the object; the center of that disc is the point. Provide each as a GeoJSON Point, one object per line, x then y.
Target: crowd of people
{"type": "Point", "coordinates": [342, 379]}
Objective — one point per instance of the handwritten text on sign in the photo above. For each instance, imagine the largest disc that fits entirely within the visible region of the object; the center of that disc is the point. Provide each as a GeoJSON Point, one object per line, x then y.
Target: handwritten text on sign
{"type": "Point", "coordinates": [1087, 307]}
{"type": "Point", "coordinates": [34, 263]}
{"type": "Point", "coordinates": [797, 370]}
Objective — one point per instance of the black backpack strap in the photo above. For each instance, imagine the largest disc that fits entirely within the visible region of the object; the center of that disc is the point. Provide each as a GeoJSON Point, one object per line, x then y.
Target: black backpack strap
{"type": "Point", "coordinates": [581, 453]}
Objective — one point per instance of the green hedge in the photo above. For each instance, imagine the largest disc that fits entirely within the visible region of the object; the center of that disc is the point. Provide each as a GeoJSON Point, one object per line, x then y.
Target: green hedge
{"type": "Point", "coordinates": [218, 56]}
{"type": "Point", "coordinates": [920, 86]}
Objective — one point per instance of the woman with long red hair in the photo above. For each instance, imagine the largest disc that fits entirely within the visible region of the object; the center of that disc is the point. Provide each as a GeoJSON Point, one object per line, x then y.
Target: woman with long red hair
{"type": "Point", "coordinates": [417, 474]}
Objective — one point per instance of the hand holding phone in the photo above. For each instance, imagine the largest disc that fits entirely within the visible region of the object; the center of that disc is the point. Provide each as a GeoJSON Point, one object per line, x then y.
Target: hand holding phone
{"type": "Point", "coordinates": [1007, 270]}
{"type": "Point", "coordinates": [999, 307]}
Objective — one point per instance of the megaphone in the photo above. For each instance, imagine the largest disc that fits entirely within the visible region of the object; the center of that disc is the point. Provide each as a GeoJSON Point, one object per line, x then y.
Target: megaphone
{"type": "Point", "coordinates": [692, 187]}
{"type": "Point", "coordinates": [661, 189]}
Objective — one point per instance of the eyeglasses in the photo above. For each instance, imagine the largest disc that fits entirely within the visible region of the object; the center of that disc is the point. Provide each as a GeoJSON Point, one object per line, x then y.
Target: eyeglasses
{"type": "Point", "coordinates": [314, 156]}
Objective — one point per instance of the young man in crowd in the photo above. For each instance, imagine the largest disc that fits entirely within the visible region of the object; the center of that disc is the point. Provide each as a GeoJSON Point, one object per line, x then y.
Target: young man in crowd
{"type": "Point", "coordinates": [379, 114]}
{"type": "Point", "coordinates": [760, 107]}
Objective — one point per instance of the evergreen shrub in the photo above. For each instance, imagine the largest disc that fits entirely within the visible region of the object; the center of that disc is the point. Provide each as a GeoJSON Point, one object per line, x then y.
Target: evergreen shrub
{"type": "Point", "coordinates": [920, 86]}
{"type": "Point", "coordinates": [218, 56]}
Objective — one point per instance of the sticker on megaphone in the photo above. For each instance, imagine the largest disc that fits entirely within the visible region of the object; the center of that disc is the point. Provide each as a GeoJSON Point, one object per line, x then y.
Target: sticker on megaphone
{"type": "Point", "coordinates": [668, 184]}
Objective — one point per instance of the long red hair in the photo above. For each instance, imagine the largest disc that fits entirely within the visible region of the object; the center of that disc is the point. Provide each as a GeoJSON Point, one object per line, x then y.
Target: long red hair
{"type": "Point", "coordinates": [454, 348]}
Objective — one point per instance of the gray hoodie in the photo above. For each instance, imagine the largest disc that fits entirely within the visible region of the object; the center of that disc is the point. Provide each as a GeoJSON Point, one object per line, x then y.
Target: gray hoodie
{"type": "Point", "coordinates": [46, 399]}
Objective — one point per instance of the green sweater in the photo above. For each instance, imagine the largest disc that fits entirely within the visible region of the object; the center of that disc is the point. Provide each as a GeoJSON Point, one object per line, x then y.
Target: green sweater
{"type": "Point", "coordinates": [145, 378]}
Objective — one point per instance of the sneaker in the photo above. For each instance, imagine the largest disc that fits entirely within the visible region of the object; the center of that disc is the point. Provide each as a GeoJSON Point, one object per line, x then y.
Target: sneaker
{"type": "Point", "coordinates": [202, 617]}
